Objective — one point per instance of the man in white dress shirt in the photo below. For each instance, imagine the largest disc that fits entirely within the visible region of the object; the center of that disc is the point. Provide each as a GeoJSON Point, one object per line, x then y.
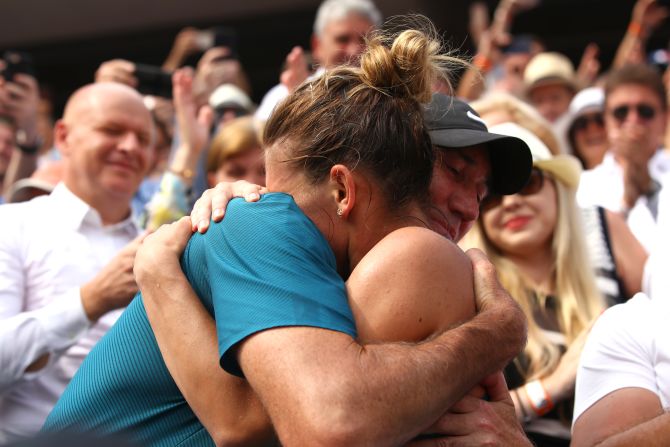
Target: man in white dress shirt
{"type": "Point", "coordinates": [66, 259]}
{"type": "Point", "coordinates": [628, 179]}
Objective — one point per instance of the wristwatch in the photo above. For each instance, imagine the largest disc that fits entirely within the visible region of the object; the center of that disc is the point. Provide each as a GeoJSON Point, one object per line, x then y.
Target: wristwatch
{"type": "Point", "coordinates": [30, 149]}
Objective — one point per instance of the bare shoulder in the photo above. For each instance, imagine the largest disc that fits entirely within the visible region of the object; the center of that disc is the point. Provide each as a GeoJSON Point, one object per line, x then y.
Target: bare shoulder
{"type": "Point", "coordinates": [412, 284]}
{"type": "Point", "coordinates": [416, 251]}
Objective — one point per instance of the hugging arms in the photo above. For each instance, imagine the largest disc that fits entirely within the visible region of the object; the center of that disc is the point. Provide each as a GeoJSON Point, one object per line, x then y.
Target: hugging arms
{"type": "Point", "coordinates": [411, 286]}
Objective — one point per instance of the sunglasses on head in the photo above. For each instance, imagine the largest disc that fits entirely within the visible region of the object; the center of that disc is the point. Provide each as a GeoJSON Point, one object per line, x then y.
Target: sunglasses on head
{"type": "Point", "coordinates": [533, 186]}
{"type": "Point", "coordinates": [582, 122]}
{"type": "Point", "coordinates": [644, 111]}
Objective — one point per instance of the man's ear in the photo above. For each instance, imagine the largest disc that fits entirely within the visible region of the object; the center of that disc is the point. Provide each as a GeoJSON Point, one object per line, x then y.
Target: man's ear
{"type": "Point", "coordinates": [61, 131]}
{"type": "Point", "coordinates": [343, 189]}
{"type": "Point", "coordinates": [316, 47]}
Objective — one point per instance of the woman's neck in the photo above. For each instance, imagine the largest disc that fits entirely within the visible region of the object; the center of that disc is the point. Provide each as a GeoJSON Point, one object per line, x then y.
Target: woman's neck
{"type": "Point", "coordinates": [537, 267]}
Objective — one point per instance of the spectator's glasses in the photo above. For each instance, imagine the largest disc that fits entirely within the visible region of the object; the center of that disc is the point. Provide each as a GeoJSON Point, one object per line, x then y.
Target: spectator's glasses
{"type": "Point", "coordinates": [644, 111]}
{"type": "Point", "coordinates": [533, 186]}
{"type": "Point", "coordinates": [583, 122]}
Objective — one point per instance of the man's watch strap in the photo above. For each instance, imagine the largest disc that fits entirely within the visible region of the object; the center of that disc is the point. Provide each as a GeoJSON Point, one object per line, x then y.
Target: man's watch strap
{"type": "Point", "coordinates": [29, 149]}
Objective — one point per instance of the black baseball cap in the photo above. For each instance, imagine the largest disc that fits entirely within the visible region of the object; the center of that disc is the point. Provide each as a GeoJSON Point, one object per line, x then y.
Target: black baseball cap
{"type": "Point", "coordinates": [453, 124]}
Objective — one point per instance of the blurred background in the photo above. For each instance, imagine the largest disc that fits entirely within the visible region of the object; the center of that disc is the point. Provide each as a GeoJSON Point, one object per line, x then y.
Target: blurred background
{"type": "Point", "coordinates": [70, 38]}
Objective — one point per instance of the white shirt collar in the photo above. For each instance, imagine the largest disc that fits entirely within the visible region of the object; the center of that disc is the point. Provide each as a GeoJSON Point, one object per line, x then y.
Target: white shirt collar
{"type": "Point", "coordinates": [76, 213]}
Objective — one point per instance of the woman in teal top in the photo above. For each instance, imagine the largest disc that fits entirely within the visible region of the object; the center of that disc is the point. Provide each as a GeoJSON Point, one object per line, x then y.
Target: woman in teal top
{"type": "Point", "coordinates": [351, 149]}
{"type": "Point", "coordinates": [124, 386]}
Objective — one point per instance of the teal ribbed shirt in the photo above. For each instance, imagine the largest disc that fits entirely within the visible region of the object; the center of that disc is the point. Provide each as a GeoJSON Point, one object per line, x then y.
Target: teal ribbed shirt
{"type": "Point", "coordinates": [266, 265]}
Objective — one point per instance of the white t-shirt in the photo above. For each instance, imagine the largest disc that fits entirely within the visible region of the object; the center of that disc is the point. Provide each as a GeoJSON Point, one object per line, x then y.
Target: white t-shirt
{"type": "Point", "coordinates": [656, 280]}
{"type": "Point", "coordinates": [629, 347]}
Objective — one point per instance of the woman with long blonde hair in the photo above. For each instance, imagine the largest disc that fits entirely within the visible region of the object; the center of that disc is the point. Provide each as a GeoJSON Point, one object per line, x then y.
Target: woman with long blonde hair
{"type": "Point", "coordinates": [536, 241]}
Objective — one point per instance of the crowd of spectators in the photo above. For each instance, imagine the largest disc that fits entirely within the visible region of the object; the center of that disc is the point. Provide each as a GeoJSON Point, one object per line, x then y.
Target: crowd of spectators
{"type": "Point", "coordinates": [582, 246]}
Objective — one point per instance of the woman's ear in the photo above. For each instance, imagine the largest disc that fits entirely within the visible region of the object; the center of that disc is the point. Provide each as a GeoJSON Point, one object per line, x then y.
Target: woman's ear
{"type": "Point", "coordinates": [343, 190]}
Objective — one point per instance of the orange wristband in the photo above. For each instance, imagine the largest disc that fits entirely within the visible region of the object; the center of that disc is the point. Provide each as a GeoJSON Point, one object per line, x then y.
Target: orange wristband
{"type": "Point", "coordinates": [635, 29]}
{"type": "Point", "coordinates": [540, 401]}
{"type": "Point", "coordinates": [482, 62]}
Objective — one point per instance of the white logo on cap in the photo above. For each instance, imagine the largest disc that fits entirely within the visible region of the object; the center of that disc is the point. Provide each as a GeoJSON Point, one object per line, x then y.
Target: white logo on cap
{"type": "Point", "coordinates": [472, 116]}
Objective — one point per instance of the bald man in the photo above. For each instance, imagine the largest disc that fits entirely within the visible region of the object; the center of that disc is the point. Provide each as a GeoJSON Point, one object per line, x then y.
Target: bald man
{"type": "Point", "coordinates": [66, 258]}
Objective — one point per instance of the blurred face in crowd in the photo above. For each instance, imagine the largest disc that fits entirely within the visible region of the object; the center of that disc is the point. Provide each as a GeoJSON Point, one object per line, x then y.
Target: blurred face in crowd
{"type": "Point", "coordinates": [6, 146]}
{"type": "Point", "coordinates": [248, 165]}
{"type": "Point", "coordinates": [342, 41]}
{"type": "Point", "coordinates": [551, 100]}
{"type": "Point", "coordinates": [590, 138]}
{"type": "Point", "coordinates": [523, 223]}
{"type": "Point", "coordinates": [635, 112]}
{"type": "Point", "coordinates": [460, 179]}
{"type": "Point", "coordinates": [514, 65]}
{"type": "Point", "coordinates": [107, 139]}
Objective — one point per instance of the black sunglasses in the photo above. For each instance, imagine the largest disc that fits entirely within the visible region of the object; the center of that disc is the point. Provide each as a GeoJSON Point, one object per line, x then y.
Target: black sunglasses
{"type": "Point", "coordinates": [582, 122]}
{"type": "Point", "coordinates": [533, 186]}
{"type": "Point", "coordinates": [644, 111]}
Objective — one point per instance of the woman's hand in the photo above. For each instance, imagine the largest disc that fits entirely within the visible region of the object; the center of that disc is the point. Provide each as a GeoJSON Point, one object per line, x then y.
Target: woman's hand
{"type": "Point", "coordinates": [560, 384]}
{"type": "Point", "coordinates": [296, 69]}
{"type": "Point", "coordinates": [213, 202]}
{"type": "Point", "coordinates": [194, 123]}
{"type": "Point", "coordinates": [117, 70]}
{"type": "Point", "coordinates": [157, 258]}
{"type": "Point", "coordinates": [649, 14]}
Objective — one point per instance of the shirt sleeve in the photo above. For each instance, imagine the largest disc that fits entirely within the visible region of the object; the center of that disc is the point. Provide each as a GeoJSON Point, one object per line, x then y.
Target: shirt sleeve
{"type": "Point", "coordinates": [268, 266]}
{"type": "Point", "coordinates": [25, 336]}
{"type": "Point", "coordinates": [28, 335]}
{"type": "Point", "coordinates": [618, 354]}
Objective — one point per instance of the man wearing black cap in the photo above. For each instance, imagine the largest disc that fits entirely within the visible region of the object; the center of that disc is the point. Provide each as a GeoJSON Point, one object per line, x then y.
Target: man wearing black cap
{"type": "Point", "coordinates": [471, 163]}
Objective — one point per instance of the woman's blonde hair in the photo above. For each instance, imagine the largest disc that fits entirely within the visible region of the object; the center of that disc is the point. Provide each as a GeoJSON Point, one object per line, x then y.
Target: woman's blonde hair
{"type": "Point", "coordinates": [578, 300]}
{"type": "Point", "coordinates": [236, 137]}
{"type": "Point", "coordinates": [369, 117]}
{"type": "Point", "coordinates": [520, 113]}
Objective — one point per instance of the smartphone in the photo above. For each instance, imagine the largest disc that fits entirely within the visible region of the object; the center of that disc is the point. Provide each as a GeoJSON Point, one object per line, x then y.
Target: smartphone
{"type": "Point", "coordinates": [153, 80]}
{"type": "Point", "coordinates": [17, 62]}
{"type": "Point", "coordinates": [220, 36]}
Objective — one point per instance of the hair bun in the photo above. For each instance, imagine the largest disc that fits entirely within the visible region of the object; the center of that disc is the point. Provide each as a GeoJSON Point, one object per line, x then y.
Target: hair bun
{"type": "Point", "coordinates": [406, 63]}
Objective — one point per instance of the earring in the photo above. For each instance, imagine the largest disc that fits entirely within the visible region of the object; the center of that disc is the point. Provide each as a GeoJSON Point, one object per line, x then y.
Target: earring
{"type": "Point", "coordinates": [339, 212]}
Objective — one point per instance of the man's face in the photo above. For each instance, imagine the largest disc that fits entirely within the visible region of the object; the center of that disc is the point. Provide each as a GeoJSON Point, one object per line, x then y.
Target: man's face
{"type": "Point", "coordinates": [6, 146]}
{"type": "Point", "coordinates": [109, 145]}
{"type": "Point", "coordinates": [634, 113]}
{"type": "Point", "coordinates": [552, 100]}
{"type": "Point", "coordinates": [460, 179]}
{"type": "Point", "coordinates": [342, 41]}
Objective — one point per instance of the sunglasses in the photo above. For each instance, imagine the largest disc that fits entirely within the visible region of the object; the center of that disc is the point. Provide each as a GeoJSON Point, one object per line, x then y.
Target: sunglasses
{"type": "Point", "coordinates": [583, 122]}
{"type": "Point", "coordinates": [644, 111]}
{"type": "Point", "coordinates": [533, 186]}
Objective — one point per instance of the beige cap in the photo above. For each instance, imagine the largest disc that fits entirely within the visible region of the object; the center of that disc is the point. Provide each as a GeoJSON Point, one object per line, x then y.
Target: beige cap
{"type": "Point", "coordinates": [230, 95]}
{"type": "Point", "coordinates": [549, 68]}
